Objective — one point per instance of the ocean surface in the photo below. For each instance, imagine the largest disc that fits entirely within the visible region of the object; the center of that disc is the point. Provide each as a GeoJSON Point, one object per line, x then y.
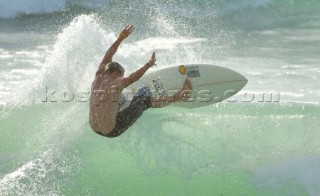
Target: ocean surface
{"type": "Point", "coordinates": [263, 141]}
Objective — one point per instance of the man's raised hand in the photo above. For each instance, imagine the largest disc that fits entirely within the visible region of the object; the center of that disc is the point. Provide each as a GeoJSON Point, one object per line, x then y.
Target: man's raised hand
{"type": "Point", "coordinates": [152, 60]}
{"type": "Point", "coordinates": [126, 32]}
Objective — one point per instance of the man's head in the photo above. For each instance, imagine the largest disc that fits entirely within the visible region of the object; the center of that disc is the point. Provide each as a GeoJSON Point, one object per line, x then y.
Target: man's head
{"type": "Point", "coordinates": [113, 66]}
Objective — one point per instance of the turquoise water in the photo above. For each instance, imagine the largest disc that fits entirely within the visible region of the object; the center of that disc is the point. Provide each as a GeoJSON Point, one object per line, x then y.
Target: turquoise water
{"type": "Point", "coordinates": [247, 145]}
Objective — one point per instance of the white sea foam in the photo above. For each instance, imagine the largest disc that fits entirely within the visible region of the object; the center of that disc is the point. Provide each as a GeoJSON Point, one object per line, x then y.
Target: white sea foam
{"type": "Point", "coordinates": [27, 179]}
{"type": "Point", "coordinates": [146, 46]}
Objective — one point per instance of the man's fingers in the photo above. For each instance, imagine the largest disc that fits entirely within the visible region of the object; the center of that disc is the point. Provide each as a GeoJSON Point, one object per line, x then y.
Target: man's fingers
{"type": "Point", "coordinates": [129, 28]}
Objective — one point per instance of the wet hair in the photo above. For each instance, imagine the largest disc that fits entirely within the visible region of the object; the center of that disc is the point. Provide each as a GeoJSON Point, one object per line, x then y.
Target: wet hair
{"type": "Point", "coordinates": [113, 66]}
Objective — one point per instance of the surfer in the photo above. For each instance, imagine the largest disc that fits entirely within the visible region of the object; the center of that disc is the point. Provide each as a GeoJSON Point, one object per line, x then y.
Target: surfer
{"type": "Point", "coordinates": [104, 116]}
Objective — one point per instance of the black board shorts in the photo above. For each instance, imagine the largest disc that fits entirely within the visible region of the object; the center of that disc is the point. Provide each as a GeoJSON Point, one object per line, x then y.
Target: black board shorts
{"type": "Point", "coordinates": [128, 116]}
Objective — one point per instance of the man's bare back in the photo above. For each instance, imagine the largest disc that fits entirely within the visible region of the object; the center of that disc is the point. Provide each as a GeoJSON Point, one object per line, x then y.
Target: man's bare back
{"type": "Point", "coordinates": [104, 105]}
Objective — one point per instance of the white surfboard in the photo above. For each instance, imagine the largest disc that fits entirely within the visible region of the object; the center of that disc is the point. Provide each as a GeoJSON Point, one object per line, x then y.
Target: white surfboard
{"type": "Point", "coordinates": [210, 84]}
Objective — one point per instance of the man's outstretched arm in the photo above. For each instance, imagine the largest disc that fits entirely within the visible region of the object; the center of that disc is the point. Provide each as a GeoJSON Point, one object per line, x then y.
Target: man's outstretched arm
{"type": "Point", "coordinates": [114, 47]}
{"type": "Point", "coordinates": [135, 76]}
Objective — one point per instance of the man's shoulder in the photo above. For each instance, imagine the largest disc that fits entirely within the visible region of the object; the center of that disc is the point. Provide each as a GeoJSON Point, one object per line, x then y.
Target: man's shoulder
{"type": "Point", "coordinates": [107, 83]}
{"type": "Point", "coordinates": [116, 83]}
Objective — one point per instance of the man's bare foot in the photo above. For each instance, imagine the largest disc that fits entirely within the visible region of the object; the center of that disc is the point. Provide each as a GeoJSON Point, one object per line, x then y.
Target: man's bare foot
{"type": "Point", "coordinates": [185, 92]}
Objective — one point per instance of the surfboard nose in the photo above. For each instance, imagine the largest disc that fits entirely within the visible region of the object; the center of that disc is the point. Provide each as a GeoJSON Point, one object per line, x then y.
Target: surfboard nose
{"type": "Point", "coordinates": [242, 79]}
{"type": "Point", "coordinates": [237, 82]}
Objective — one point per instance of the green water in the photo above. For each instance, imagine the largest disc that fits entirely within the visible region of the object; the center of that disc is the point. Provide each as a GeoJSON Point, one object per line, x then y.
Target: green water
{"type": "Point", "coordinates": [224, 154]}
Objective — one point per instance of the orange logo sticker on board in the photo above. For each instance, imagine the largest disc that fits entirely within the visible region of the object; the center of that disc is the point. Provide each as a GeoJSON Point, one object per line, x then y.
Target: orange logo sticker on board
{"type": "Point", "coordinates": [182, 69]}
